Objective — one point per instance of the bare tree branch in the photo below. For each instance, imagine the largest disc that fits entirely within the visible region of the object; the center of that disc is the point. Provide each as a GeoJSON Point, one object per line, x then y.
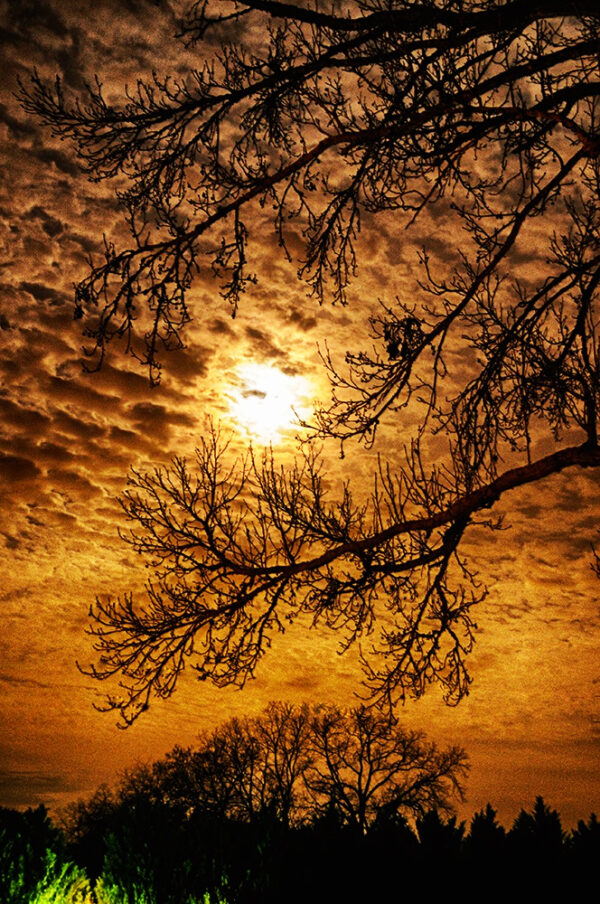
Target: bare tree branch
{"type": "Point", "coordinates": [482, 117]}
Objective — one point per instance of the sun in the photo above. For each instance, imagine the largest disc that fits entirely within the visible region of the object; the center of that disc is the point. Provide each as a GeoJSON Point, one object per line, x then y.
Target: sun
{"type": "Point", "coordinates": [268, 402]}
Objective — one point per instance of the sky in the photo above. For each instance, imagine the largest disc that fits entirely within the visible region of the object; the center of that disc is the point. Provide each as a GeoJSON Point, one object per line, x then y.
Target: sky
{"type": "Point", "coordinates": [531, 723]}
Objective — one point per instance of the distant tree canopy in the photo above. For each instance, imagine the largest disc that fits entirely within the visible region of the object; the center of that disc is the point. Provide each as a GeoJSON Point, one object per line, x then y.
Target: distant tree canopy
{"type": "Point", "coordinates": [294, 764]}
{"type": "Point", "coordinates": [482, 116]}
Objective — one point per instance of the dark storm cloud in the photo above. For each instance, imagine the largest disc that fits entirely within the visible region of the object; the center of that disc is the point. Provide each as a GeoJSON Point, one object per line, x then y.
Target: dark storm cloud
{"type": "Point", "coordinates": [16, 469]}
{"type": "Point", "coordinates": [73, 482]}
{"type": "Point", "coordinates": [29, 356]}
{"type": "Point", "coordinates": [82, 429]}
{"type": "Point", "coordinates": [20, 127]}
{"type": "Point", "coordinates": [48, 452]}
{"type": "Point", "coordinates": [19, 788]}
{"type": "Point", "coordinates": [51, 226]}
{"type": "Point", "coordinates": [135, 7]}
{"type": "Point", "coordinates": [85, 243]}
{"type": "Point", "coordinates": [149, 413]}
{"type": "Point", "coordinates": [28, 15]}
{"type": "Point", "coordinates": [302, 321]}
{"type": "Point", "coordinates": [262, 345]}
{"type": "Point", "coordinates": [23, 417]}
{"type": "Point", "coordinates": [220, 326]}
{"type": "Point", "coordinates": [37, 30]}
{"type": "Point", "coordinates": [126, 444]}
{"type": "Point", "coordinates": [41, 292]}
{"type": "Point", "coordinates": [50, 344]}
{"type": "Point", "coordinates": [63, 162]}
{"type": "Point", "coordinates": [53, 453]}
{"type": "Point", "coordinates": [187, 365]}
{"type": "Point", "coordinates": [80, 392]}
{"type": "Point", "coordinates": [126, 384]}
{"type": "Point", "coordinates": [128, 438]}
{"type": "Point", "coordinates": [10, 542]}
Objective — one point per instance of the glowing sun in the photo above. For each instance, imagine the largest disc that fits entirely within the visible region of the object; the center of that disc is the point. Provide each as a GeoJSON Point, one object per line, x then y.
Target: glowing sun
{"type": "Point", "coordinates": [268, 402]}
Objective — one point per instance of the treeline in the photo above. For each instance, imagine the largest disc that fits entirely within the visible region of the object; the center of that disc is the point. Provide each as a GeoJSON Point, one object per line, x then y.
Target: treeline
{"type": "Point", "coordinates": [145, 854]}
{"type": "Point", "coordinates": [298, 764]}
{"type": "Point", "coordinates": [297, 805]}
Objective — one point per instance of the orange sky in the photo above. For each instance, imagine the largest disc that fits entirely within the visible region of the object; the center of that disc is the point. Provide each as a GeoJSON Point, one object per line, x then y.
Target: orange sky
{"type": "Point", "coordinates": [67, 440]}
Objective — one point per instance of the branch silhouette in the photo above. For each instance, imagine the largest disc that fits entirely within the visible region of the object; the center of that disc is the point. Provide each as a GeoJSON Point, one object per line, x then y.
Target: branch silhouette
{"type": "Point", "coordinates": [478, 121]}
{"type": "Point", "coordinates": [240, 548]}
{"type": "Point", "coordinates": [335, 116]}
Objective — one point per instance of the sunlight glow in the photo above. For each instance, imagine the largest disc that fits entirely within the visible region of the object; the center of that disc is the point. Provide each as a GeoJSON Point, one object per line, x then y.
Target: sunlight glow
{"type": "Point", "coordinates": [268, 402]}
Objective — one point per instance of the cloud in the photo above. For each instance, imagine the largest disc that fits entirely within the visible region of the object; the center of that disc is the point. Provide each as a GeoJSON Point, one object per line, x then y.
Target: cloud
{"type": "Point", "coordinates": [51, 225]}
{"type": "Point", "coordinates": [221, 327]}
{"type": "Point", "coordinates": [42, 293]}
{"type": "Point", "coordinates": [25, 418]}
{"type": "Point", "coordinates": [81, 392]}
{"type": "Point", "coordinates": [71, 436]}
{"type": "Point", "coordinates": [51, 452]}
{"type": "Point", "coordinates": [13, 468]}
{"type": "Point", "coordinates": [129, 439]}
{"type": "Point", "coordinates": [23, 682]}
{"type": "Point", "coordinates": [262, 344]}
{"type": "Point", "coordinates": [10, 542]}
{"type": "Point", "coordinates": [150, 417]}
{"type": "Point", "coordinates": [80, 427]}
{"type": "Point", "coordinates": [72, 482]}
{"type": "Point", "coordinates": [21, 127]}
{"type": "Point", "coordinates": [28, 788]}
{"type": "Point", "coordinates": [30, 16]}
{"type": "Point", "coordinates": [64, 162]}
{"type": "Point", "coordinates": [120, 384]}
{"type": "Point", "coordinates": [303, 321]}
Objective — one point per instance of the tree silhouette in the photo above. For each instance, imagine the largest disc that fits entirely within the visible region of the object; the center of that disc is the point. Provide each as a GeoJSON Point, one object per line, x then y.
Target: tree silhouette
{"type": "Point", "coordinates": [366, 768]}
{"type": "Point", "coordinates": [483, 115]}
{"type": "Point", "coordinates": [536, 843]}
{"type": "Point", "coordinates": [442, 840]}
{"type": "Point", "coordinates": [485, 850]}
{"type": "Point", "coordinates": [292, 764]}
{"type": "Point", "coordinates": [538, 835]}
{"type": "Point", "coordinates": [150, 850]}
{"type": "Point", "coordinates": [486, 838]}
{"type": "Point", "coordinates": [277, 804]}
{"type": "Point", "coordinates": [585, 843]}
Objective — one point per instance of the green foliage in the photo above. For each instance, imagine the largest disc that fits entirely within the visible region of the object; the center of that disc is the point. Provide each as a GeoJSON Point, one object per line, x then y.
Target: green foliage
{"type": "Point", "coordinates": [63, 883]}
{"type": "Point", "coordinates": [25, 840]}
{"type": "Point", "coordinates": [144, 859]}
{"type": "Point", "coordinates": [107, 893]}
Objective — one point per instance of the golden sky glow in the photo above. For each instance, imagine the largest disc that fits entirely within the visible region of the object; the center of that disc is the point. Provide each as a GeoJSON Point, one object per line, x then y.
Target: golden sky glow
{"type": "Point", "coordinates": [268, 402]}
{"type": "Point", "coordinates": [68, 439]}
